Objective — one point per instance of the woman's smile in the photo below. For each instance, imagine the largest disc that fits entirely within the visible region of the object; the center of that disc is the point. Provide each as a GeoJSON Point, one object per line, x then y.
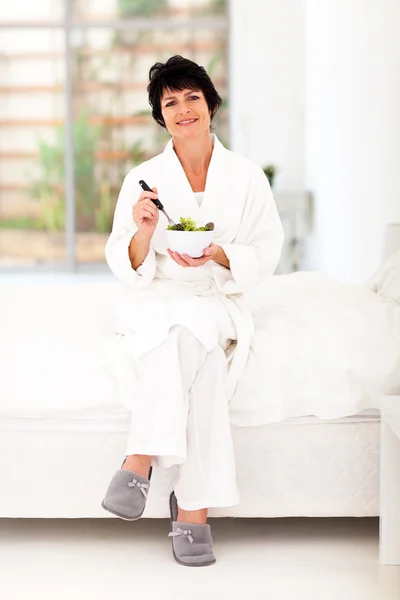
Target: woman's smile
{"type": "Point", "coordinates": [179, 109]}
{"type": "Point", "coordinates": [186, 122]}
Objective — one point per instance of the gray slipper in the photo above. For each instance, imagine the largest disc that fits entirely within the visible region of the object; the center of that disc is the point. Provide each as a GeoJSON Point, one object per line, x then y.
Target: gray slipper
{"type": "Point", "coordinates": [126, 495]}
{"type": "Point", "coordinates": [192, 544]}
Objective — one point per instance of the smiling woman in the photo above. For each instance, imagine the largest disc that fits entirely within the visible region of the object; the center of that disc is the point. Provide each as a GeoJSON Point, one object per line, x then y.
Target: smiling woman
{"type": "Point", "coordinates": [182, 312]}
{"type": "Point", "coordinates": [184, 101]}
{"type": "Point", "coordinates": [181, 93]}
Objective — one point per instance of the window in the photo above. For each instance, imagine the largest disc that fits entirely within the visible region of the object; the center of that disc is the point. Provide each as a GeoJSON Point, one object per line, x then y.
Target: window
{"type": "Point", "coordinates": [75, 116]}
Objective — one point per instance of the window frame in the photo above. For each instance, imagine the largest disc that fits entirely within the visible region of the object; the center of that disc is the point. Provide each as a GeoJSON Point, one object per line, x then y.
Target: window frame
{"type": "Point", "coordinates": [68, 25]}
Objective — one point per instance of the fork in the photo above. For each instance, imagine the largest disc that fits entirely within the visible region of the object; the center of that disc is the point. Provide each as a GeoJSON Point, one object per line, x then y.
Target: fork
{"type": "Point", "coordinates": [157, 202]}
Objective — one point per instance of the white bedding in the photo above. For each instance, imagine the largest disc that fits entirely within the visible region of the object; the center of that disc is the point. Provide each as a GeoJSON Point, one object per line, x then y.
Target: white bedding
{"type": "Point", "coordinates": [326, 349]}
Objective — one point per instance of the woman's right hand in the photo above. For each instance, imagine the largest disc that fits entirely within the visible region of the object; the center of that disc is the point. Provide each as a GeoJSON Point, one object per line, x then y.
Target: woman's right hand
{"type": "Point", "coordinates": [145, 213]}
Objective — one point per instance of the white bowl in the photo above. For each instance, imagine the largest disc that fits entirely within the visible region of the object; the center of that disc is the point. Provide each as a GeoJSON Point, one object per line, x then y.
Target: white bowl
{"type": "Point", "coordinates": [192, 243]}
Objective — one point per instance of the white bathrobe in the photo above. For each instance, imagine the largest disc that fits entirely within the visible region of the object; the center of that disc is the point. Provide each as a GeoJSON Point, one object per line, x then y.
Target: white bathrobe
{"type": "Point", "coordinates": [206, 300]}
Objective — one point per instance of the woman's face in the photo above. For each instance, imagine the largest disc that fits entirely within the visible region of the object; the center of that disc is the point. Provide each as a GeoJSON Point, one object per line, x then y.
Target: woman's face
{"type": "Point", "coordinates": [186, 113]}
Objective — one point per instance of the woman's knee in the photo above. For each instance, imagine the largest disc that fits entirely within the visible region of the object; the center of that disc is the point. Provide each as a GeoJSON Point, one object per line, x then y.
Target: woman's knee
{"type": "Point", "coordinates": [185, 336]}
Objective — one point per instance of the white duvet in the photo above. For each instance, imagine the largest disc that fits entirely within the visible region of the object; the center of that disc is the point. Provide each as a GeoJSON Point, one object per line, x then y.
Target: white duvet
{"type": "Point", "coordinates": [321, 348]}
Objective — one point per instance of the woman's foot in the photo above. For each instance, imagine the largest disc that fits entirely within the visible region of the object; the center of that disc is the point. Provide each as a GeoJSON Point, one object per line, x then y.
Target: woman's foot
{"type": "Point", "coordinates": [192, 543]}
{"type": "Point", "coordinates": [193, 516]}
{"type": "Point", "coordinates": [138, 463]}
{"type": "Point", "coordinates": [128, 489]}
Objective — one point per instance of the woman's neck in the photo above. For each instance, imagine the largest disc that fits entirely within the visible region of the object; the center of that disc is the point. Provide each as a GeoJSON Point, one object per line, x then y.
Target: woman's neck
{"type": "Point", "coordinates": [194, 154]}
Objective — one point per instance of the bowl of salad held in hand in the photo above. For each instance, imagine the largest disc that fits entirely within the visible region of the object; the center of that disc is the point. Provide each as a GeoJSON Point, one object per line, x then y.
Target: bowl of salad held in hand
{"type": "Point", "coordinates": [186, 238]}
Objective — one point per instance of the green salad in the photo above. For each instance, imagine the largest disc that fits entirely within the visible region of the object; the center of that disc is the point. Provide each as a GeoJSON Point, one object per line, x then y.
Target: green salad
{"type": "Point", "coordinates": [187, 224]}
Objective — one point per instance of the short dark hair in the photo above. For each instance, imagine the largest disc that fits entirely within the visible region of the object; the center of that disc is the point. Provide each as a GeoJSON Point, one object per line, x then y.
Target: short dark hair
{"type": "Point", "coordinates": [178, 74]}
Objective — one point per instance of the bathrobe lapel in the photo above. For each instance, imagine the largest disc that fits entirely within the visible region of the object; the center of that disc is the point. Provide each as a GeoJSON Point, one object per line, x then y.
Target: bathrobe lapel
{"type": "Point", "coordinates": [182, 200]}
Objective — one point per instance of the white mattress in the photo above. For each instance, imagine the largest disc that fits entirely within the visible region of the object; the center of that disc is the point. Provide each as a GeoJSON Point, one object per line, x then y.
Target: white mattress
{"type": "Point", "coordinates": [302, 467]}
{"type": "Point", "coordinates": [115, 419]}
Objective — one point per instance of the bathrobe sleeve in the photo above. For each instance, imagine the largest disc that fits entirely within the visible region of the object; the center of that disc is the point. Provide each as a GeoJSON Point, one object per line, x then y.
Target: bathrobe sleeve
{"type": "Point", "coordinates": [123, 230]}
{"type": "Point", "coordinates": [254, 253]}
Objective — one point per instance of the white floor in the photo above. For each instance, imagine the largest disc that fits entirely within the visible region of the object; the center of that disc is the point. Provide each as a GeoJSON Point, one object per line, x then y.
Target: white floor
{"type": "Point", "coordinates": [314, 559]}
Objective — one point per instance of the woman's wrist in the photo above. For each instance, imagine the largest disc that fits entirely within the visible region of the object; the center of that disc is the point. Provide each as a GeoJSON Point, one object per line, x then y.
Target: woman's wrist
{"type": "Point", "coordinates": [138, 249]}
{"type": "Point", "coordinates": [221, 258]}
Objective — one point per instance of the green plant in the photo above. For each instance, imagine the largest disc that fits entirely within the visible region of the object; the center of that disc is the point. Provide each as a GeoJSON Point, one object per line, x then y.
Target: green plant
{"type": "Point", "coordinates": [216, 7]}
{"type": "Point", "coordinates": [144, 8]}
{"type": "Point", "coordinates": [48, 188]}
{"type": "Point", "coordinates": [104, 211]}
{"type": "Point", "coordinates": [93, 189]}
{"type": "Point", "coordinates": [136, 153]}
{"type": "Point", "coordinates": [214, 60]}
{"type": "Point", "coordinates": [53, 211]}
{"type": "Point", "coordinates": [21, 223]}
{"type": "Point", "coordinates": [104, 208]}
{"type": "Point", "coordinates": [86, 139]}
{"type": "Point", "coordinates": [270, 172]}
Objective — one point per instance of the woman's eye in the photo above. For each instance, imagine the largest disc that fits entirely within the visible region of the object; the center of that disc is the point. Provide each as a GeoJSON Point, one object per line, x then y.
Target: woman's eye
{"type": "Point", "coordinates": [190, 98]}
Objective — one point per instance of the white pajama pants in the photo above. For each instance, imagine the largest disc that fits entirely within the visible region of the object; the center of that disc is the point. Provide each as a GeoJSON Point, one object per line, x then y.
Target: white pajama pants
{"type": "Point", "coordinates": [180, 417]}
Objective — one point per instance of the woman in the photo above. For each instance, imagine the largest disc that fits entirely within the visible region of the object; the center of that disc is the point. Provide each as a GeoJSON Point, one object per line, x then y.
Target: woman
{"type": "Point", "coordinates": [183, 321]}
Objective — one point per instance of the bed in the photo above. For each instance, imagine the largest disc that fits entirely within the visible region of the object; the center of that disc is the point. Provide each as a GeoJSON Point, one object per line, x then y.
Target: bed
{"type": "Point", "coordinates": [317, 458]}
{"type": "Point", "coordinates": [301, 467]}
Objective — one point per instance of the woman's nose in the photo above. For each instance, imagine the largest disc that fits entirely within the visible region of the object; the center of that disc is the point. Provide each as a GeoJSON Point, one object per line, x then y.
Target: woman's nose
{"type": "Point", "coordinates": [184, 109]}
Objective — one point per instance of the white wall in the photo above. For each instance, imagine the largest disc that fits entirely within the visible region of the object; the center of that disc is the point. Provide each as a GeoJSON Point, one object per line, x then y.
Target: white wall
{"type": "Point", "coordinates": [315, 88]}
{"type": "Point", "coordinates": [267, 85]}
{"type": "Point", "coordinates": [352, 131]}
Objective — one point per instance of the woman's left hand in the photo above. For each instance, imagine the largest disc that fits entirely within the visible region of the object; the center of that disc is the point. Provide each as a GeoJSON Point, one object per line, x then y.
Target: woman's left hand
{"type": "Point", "coordinates": [210, 253]}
